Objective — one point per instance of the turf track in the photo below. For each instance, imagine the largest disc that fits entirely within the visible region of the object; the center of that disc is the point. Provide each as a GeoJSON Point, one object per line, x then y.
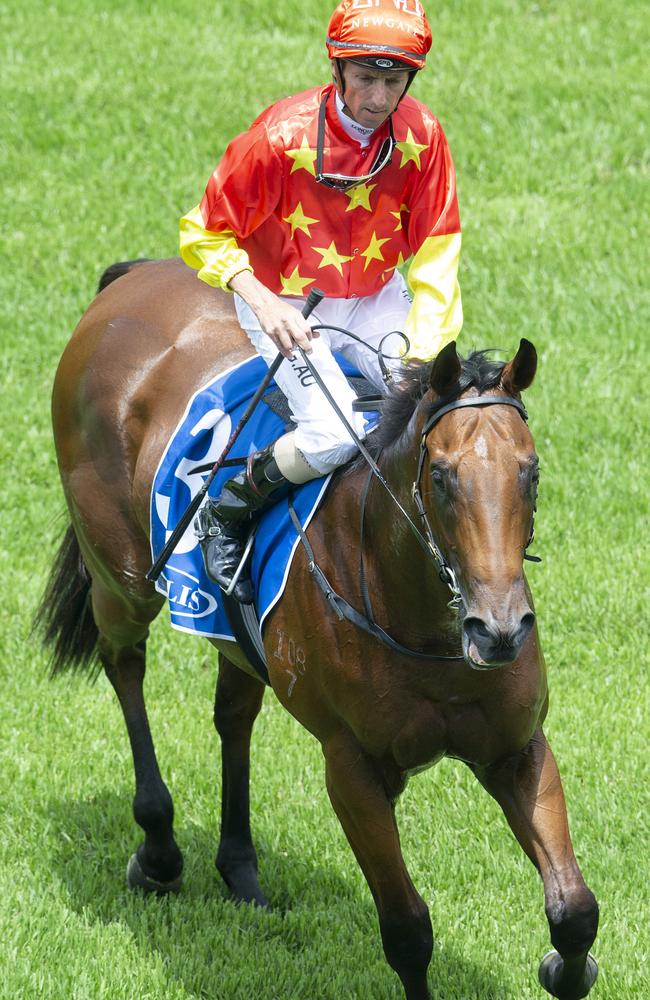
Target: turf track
{"type": "Point", "coordinates": [111, 118]}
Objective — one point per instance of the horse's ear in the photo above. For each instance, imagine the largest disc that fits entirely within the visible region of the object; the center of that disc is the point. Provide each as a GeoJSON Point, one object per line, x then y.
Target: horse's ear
{"type": "Point", "coordinates": [446, 370]}
{"type": "Point", "coordinates": [518, 374]}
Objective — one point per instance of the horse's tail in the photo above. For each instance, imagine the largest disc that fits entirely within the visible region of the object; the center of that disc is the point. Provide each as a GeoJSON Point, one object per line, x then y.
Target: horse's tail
{"type": "Point", "coordinates": [117, 270]}
{"type": "Point", "coordinates": [64, 617]}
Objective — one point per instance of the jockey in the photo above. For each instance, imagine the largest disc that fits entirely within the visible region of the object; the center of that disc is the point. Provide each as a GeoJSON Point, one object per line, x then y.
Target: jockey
{"type": "Point", "coordinates": [334, 188]}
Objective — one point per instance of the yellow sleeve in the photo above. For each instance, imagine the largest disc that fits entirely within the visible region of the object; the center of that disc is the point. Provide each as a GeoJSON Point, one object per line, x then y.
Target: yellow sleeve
{"type": "Point", "coordinates": [436, 314]}
{"type": "Point", "coordinates": [216, 256]}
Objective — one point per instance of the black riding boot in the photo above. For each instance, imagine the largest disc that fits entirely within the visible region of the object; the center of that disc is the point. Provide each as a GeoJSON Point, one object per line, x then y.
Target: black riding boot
{"type": "Point", "coordinates": [223, 526]}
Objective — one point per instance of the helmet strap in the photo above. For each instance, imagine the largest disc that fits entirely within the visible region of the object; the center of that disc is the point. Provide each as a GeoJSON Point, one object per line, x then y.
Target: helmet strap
{"type": "Point", "coordinates": [410, 80]}
{"type": "Point", "coordinates": [339, 70]}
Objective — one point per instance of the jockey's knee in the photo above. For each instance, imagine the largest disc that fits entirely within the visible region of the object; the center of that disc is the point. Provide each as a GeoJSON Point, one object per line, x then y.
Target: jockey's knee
{"type": "Point", "coordinates": [329, 453]}
{"type": "Point", "coordinates": [330, 445]}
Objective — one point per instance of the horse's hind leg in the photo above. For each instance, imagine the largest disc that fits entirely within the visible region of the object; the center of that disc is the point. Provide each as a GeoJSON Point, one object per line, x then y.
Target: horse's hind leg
{"type": "Point", "coordinates": [238, 700]}
{"type": "Point", "coordinates": [157, 864]}
{"type": "Point", "coordinates": [528, 788]}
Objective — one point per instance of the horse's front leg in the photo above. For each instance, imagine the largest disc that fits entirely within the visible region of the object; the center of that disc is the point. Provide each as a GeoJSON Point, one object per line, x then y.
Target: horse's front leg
{"type": "Point", "coordinates": [237, 703]}
{"type": "Point", "coordinates": [364, 807]}
{"type": "Point", "coordinates": [528, 788]}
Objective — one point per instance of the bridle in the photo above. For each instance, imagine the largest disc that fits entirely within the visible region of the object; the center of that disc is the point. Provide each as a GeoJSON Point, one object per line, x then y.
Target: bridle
{"type": "Point", "coordinates": [427, 541]}
{"type": "Point", "coordinates": [445, 571]}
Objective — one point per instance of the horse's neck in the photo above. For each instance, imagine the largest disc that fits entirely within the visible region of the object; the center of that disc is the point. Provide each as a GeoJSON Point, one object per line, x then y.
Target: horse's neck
{"type": "Point", "coordinates": [407, 594]}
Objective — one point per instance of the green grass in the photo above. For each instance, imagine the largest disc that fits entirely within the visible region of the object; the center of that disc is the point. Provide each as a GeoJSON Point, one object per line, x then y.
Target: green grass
{"type": "Point", "coordinates": [111, 120]}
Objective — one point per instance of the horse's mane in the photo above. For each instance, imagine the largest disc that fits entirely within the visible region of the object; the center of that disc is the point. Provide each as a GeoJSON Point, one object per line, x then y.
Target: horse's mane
{"type": "Point", "coordinates": [478, 371]}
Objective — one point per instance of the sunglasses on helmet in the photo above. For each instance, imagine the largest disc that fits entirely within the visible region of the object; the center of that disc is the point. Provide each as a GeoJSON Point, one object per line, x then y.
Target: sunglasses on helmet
{"type": "Point", "coordinates": [342, 182]}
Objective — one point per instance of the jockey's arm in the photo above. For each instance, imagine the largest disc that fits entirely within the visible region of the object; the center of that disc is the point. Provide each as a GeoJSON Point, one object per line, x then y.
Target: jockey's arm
{"type": "Point", "coordinates": [436, 314]}
{"type": "Point", "coordinates": [221, 263]}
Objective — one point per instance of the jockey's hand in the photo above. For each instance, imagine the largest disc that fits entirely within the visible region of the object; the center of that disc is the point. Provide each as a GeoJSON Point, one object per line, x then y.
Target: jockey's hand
{"type": "Point", "coordinates": [286, 327]}
{"type": "Point", "coordinates": [282, 322]}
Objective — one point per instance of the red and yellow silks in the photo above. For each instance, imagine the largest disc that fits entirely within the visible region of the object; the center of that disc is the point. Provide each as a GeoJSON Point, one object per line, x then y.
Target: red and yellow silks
{"type": "Point", "coordinates": [264, 211]}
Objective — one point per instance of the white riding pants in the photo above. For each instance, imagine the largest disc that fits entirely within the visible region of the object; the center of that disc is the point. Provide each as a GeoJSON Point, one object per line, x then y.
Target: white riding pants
{"type": "Point", "coordinates": [320, 434]}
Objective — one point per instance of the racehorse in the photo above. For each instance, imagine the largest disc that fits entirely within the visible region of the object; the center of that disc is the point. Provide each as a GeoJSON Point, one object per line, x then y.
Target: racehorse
{"type": "Point", "coordinates": [464, 678]}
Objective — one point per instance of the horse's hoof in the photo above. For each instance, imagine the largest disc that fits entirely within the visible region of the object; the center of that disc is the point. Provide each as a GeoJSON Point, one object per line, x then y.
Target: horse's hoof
{"type": "Point", "coordinates": [550, 971]}
{"type": "Point", "coordinates": [243, 884]}
{"type": "Point", "coordinates": [137, 879]}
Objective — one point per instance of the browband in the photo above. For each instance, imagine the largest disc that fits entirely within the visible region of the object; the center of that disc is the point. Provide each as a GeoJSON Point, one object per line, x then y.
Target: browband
{"type": "Point", "coordinates": [456, 404]}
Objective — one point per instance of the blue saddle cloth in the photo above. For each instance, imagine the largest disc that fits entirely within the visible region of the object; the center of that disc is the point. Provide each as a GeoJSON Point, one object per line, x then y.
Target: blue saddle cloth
{"type": "Point", "coordinates": [195, 602]}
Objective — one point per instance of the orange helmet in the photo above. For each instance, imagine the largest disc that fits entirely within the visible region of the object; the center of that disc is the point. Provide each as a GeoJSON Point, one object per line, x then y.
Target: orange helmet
{"type": "Point", "coordinates": [385, 34]}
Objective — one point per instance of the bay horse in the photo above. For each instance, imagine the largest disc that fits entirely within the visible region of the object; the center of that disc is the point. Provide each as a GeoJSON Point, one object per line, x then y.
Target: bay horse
{"type": "Point", "coordinates": [477, 690]}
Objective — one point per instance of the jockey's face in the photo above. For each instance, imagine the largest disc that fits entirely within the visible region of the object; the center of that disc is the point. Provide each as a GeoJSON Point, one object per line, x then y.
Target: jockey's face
{"type": "Point", "coordinates": [370, 96]}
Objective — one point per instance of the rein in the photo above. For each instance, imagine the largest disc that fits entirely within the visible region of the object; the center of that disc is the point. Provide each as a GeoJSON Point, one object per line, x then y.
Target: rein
{"type": "Point", "coordinates": [382, 358]}
{"type": "Point", "coordinates": [422, 541]}
{"type": "Point", "coordinates": [343, 609]}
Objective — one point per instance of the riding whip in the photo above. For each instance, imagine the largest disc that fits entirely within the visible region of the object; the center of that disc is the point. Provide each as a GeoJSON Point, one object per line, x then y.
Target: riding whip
{"type": "Point", "coordinates": [313, 300]}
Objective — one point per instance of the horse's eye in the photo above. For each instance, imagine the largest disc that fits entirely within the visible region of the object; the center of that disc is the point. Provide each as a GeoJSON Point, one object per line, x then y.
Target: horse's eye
{"type": "Point", "coordinates": [529, 477]}
{"type": "Point", "coordinates": [437, 477]}
{"type": "Point", "coordinates": [533, 484]}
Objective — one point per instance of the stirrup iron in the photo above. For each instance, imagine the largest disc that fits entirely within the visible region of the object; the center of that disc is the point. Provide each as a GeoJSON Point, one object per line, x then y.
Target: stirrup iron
{"type": "Point", "coordinates": [242, 563]}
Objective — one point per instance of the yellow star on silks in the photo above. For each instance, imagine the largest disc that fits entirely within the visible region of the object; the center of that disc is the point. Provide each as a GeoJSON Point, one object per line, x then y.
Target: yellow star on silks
{"type": "Point", "coordinates": [294, 283]}
{"type": "Point", "coordinates": [360, 197]}
{"type": "Point", "coordinates": [398, 216]}
{"type": "Point", "coordinates": [331, 257]}
{"type": "Point", "coordinates": [400, 262]}
{"type": "Point", "coordinates": [303, 158]}
{"type": "Point", "coordinates": [373, 250]}
{"type": "Point", "coordinates": [298, 220]}
{"type": "Point", "coordinates": [410, 150]}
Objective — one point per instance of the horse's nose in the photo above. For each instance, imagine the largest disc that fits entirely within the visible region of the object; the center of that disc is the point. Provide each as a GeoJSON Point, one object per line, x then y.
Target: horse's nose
{"type": "Point", "coordinates": [489, 644]}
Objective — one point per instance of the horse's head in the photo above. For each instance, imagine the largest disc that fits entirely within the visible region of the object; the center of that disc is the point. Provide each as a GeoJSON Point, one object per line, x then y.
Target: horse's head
{"type": "Point", "coordinates": [479, 485]}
